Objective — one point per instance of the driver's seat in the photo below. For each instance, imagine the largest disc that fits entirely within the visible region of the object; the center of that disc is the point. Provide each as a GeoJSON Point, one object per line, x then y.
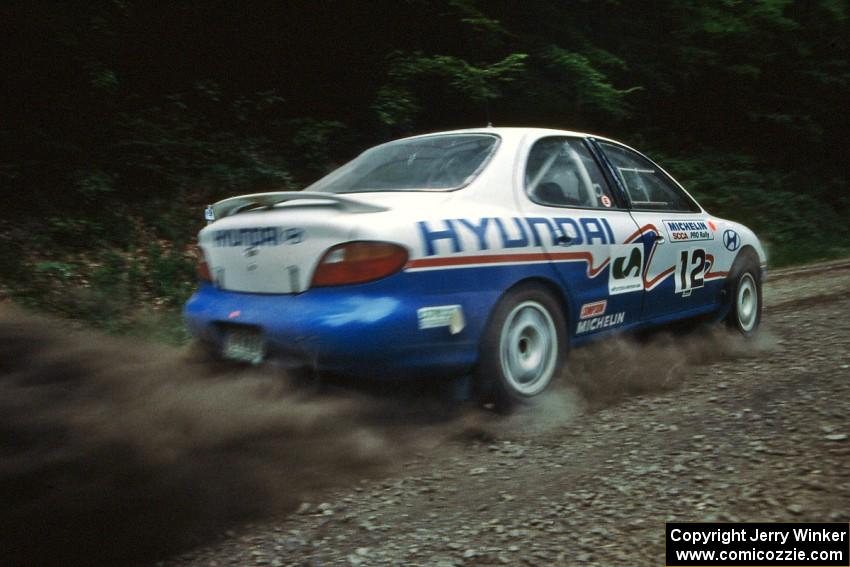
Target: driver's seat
{"type": "Point", "coordinates": [550, 193]}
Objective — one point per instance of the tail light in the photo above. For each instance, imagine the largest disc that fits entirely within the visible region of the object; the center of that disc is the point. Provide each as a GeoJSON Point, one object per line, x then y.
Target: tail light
{"type": "Point", "coordinates": [203, 268]}
{"type": "Point", "coordinates": [358, 262]}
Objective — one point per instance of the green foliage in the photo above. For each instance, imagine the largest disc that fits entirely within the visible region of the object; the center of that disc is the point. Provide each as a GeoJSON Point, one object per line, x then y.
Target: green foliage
{"type": "Point", "coordinates": [588, 86]}
{"type": "Point", "coordinates": [205, 141]}
{"type": "Point", "coordinates": [63, 271]}
{"type": "Point", "coordinates": [314, 143]}
{"type": "Point", "coordinates": [397, 103]}
{"type": "Point", "coordinates": [119, 291]}
{"type": "Point", "coordinates": [93, 184]}
{"type": "Point", "coordinates": [475, 18]}
{"type": "Point", "coordinates": [12, 266]}
{"type": "Point", "coordinates": [112, 274]}
{"type": "Point", "coordinates": [172, 274]}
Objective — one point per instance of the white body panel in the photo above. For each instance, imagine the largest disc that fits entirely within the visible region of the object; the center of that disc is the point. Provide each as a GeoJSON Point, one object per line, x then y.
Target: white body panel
{"type": "Point", "coordinates": [277, 250]}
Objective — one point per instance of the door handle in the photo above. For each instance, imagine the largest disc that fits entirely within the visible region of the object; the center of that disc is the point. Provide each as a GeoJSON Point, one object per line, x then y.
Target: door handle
{"type": "Point", "coordinates": [563, 238]}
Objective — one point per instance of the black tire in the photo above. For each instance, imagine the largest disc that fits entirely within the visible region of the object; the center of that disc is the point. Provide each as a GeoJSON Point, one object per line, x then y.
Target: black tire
{"type": "Point", "coordinates": [523, 347]}
{"type": "Point", "coordinates": [745, 295]}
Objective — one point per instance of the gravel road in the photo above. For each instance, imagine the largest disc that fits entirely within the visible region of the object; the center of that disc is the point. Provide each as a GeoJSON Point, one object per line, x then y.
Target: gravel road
{"type": "Point", "coordinates": [700, 428]}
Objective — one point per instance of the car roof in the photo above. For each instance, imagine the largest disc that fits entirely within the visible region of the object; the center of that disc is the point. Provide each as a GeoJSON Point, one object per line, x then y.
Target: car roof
{"type": "Point", "coordinates": [512, 131]}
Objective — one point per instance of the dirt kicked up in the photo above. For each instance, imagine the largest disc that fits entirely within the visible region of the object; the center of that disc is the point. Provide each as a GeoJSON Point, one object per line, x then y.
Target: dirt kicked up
{"type": "Point", "coordinates": [118, 451]}
{"type": "Point", "coordinates": [115, 452]}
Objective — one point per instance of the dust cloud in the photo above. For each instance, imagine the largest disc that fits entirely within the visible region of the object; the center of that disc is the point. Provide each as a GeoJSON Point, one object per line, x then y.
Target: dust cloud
{"type": "Point", "coordinates": [608, 371]}
{"type": "Point", "coordinates": [611, 370]}
{"type": "Point", "coordinates": [114, 452]}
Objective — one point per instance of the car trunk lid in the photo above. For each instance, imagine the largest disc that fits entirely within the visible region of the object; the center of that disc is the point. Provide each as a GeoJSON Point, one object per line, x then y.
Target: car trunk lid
{"type": "Point", "coordinates": [272, 242]}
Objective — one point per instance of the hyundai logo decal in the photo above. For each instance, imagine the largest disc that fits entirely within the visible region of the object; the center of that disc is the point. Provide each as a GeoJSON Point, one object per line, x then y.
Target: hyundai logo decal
{"type": "Point", "coordinates": [731, 240]}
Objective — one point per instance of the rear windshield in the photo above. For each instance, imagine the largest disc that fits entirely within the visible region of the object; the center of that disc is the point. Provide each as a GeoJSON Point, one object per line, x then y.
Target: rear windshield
{"type": "Point", "coordinates": [430, 163]}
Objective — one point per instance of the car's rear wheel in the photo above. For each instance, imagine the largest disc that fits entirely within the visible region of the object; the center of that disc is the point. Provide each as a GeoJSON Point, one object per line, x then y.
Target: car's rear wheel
{"type": "Point", "coordinates": [522, 349]}
{"type": "Point", "coordinates": [745, 296]}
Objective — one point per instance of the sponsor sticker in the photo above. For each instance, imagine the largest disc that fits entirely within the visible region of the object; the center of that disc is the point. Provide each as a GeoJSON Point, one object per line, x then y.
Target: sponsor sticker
{"type": "Point", "coordinates": [594, 309]}
{"type": "Point", "coordinates": [257, 236]}
{"type": "Point", "coordinates": [688, 230]}
{"type": "Point", "coordinates": [450, 316]}
{"type": "Point", "coordinates": [598, 323]}
{"type": "Point", "coordinates": [625, 273]}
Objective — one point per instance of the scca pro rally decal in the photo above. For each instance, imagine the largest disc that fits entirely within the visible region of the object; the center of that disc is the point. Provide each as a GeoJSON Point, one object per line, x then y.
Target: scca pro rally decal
{"type": "Point", "coordinates": [688, 231]}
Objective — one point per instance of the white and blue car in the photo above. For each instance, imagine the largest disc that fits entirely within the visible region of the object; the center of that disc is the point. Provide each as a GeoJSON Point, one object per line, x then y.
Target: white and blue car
{"type": "Point", "coordinates": [483, 253]}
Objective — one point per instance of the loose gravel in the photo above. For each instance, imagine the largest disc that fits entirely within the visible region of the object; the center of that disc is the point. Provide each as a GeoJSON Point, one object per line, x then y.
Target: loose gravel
{"type": "Point", "coordinates": [752, 433]}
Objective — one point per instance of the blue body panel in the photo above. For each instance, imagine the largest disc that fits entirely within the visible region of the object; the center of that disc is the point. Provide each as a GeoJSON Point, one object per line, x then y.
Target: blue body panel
{"type": "Point", "coordinates": [368, 329]}
{"type": "Point", "coordinates": [372, 330]}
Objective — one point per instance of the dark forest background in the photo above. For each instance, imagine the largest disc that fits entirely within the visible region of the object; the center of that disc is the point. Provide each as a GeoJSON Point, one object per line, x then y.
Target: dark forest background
{"type": "Point", "coordinates": [121, 119]}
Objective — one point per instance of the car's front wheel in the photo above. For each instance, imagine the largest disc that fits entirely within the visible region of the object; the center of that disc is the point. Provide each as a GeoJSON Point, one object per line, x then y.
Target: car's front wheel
{"type": "Point", "coordinates": [523, 347]}
{"type": "Point", "coordinates": [745, 296]}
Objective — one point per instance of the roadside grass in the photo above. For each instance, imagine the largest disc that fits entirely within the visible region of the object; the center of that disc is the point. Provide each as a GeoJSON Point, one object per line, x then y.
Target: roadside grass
{"type": "Point", "coordinates": [807, 252]}
{"type": "Point", "coordinates": [92, 308]}
{"type": "Point", "coordinates": [132, 288]}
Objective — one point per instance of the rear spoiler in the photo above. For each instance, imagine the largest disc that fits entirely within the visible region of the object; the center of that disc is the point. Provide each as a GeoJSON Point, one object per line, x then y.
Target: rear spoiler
{"type": "Point", "coordinates": [235, 205]}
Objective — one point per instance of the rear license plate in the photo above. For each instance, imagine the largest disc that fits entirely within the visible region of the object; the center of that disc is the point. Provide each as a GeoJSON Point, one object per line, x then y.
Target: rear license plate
{"type": "Point", "coordinates": [244, 345]}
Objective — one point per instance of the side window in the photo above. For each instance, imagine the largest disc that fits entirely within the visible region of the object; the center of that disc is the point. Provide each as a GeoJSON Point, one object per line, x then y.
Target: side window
{"type": "Point", "coordinates": [647, 187]}
{"type": "Point", "coordinates": [561, 172]}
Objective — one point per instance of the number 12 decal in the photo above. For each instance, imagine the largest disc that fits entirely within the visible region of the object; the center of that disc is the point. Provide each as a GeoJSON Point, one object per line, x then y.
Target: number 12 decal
{"type": "Point", "coordinates": [690, 273]}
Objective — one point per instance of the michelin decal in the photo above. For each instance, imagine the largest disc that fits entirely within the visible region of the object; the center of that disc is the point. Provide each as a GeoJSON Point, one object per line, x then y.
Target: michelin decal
{"type": "Point", "coordinates": [598, 323]}
{"type": "Point", "coordinates": [688, 230]}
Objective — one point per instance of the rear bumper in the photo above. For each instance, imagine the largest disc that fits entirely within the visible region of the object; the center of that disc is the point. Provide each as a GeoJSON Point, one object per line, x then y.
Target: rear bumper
{"type": "Point", "coordinates": [365, 331]}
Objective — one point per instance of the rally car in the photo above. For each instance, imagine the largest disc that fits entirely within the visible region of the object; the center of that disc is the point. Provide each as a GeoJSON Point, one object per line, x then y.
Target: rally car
{"type": "Point", "coordinates": [482, 253]}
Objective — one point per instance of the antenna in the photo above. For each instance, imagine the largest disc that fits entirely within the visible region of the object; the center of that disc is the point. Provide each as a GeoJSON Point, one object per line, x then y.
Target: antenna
{"type": "Point", "coordinates": [487, 111]}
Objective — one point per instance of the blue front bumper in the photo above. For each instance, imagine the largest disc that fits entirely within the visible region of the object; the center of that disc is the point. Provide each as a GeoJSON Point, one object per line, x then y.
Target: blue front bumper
{"type": "Point", "coordinates": [368, 330]}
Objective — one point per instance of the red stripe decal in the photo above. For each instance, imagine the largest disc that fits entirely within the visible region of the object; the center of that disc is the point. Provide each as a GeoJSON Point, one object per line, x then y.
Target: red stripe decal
{"type": "Point", "coordinates": [504, 258]}
{"type": "Point", "coordinates": [647, 284]}
{"type": "Point", "coordinates": [709, 274]}
{"type": "Point", "coordinates": [644, 229]}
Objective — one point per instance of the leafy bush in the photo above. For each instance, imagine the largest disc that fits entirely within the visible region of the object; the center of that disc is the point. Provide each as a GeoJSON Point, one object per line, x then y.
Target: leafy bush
{"type": "Point", "coordinates": [172, 274]}
{"type": "Point", "coordinates": [787, 210]}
